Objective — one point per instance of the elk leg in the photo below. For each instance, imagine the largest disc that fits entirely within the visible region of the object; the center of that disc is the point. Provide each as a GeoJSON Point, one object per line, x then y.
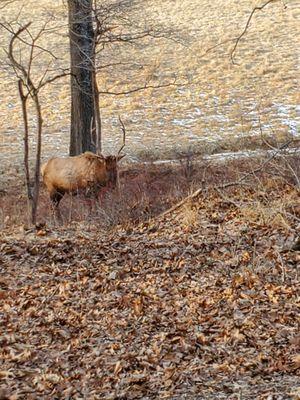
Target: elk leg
{"type": "Point", "coordinates": [56, 197]}
{"type": "Point", "coordinates": [91, 198]}
{"type": "Point", "coordinates": [91, 203]}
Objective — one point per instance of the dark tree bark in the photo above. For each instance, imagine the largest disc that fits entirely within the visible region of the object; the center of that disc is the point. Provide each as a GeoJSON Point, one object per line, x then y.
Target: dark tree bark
{"type": "Point", "coordinates": [82, 63]}
{"type": "Point", "coordinates": [92, 26]}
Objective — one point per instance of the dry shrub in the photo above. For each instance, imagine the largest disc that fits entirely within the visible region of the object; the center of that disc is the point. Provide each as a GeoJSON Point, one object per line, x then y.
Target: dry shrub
{"type": "Point", "coordinates": [189, 216]}
{"type": "Point", "coordinates": [262, 214]}
{"type": "Point", "coordinates": [143, 194]}
{"type": "Point", "coordinates": [288, 168]}
{"type": "Point", "coordinates": [147, 190]}
{"type": "Point", "coordinates": [13, 209]}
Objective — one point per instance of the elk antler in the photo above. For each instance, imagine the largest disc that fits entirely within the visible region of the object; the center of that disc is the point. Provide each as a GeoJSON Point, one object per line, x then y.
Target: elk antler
{"type": "Point", "coordinates": [124, 135]}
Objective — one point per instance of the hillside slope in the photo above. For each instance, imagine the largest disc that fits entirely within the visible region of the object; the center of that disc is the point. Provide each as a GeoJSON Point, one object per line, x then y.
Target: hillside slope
{"type": "Point", "coordinates": [221, 106]}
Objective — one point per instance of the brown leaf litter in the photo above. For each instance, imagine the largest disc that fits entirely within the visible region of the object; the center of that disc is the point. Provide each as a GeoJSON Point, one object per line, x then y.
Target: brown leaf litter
{"type": "Point", "coordinates": [201, 304]}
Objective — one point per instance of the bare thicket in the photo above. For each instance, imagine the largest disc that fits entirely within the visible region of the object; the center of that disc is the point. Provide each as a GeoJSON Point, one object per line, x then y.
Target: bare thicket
{"type": "Point", "coordinates": [29, 87]}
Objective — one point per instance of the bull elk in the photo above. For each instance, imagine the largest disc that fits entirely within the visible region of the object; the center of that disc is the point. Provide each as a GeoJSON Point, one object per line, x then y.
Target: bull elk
{"type": "Point", "coordinates": [87, 172]}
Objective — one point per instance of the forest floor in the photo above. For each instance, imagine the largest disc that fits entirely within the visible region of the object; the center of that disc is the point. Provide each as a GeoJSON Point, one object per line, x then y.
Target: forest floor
{"type": "Point", "coordinates": [198, 303]}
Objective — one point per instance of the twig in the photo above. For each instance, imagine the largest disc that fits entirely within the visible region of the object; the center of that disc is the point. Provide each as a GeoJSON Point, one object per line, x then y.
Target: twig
{"type": "Point", "coordinates": [282, 267]}
{"type": "Point", "coordinates": [257, 8]}
{"type": "Point", "coordinates": [227, 199]}
{"type": "Point", "coordinates": [282, 155]}
{"type": "Point", "coordinates": [226, 185]}
{"type": "Point", "coordinates": [144, 87]}
{"type": "Point", "coordinates": [124, 134]}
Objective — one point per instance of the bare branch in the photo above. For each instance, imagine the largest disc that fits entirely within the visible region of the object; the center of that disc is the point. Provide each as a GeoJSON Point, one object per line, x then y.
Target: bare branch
{"type": "Point", "coordinates": [229, 184]}
{"type": "Point", "coordinates": [124, 135]}
{"type": "Point", "coordinates": [55, 78]}
{"type": "Point", "coordinates": [237, 40]}
{"type": "Point", "coordinates": [6, 3]}
{"type": "Point", "coordinates": [115, 64]}
{"type": "Point", "coordinates": [138, 89]}
{"type": "Point", "coordinates": [8, 26]}
{"type": "Point", "coordinates": [14, 62]}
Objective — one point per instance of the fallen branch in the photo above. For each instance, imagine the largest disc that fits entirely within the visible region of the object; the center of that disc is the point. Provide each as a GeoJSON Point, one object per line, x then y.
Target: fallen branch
{"type": "Point", "coordinates": [226, 185]}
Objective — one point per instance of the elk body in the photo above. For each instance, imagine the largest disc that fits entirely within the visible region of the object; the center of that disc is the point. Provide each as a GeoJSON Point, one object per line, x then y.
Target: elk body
{"type": "Point", "coordinates": [87, 172]}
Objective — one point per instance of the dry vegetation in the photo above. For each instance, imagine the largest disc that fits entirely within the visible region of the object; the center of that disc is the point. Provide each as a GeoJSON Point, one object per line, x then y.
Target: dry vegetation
{"type": "Point", "coordinates": [124, 302]}
{"type": "Point", "coordinates": [218, 109]}
{"type": "Point", "coordinates": [201, 303]}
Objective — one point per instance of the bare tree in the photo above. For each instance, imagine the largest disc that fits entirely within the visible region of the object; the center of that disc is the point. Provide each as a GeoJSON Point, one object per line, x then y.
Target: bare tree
{"type": "Point", "coordinates": [93, 28]}
{"type": "Point", "coordinates": [30, 89]}
{"type": "Point", "coordinates": [82, 57]}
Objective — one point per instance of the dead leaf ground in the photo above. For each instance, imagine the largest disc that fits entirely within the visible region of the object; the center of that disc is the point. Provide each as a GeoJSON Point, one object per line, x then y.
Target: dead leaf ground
{"type": "Point", "coordinates": [203, 304]}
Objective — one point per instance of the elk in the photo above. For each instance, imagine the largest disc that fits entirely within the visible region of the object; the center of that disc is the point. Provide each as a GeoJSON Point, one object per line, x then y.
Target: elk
{"type": "Point", "coordinates": [86, 173]}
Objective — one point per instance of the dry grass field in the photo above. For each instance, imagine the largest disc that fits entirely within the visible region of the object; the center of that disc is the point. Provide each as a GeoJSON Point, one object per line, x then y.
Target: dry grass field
{"type": "Point", "coordinates": [215, 105]}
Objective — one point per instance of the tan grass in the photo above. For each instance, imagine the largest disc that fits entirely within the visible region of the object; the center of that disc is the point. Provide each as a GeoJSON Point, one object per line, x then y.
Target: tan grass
{"type": "Point", "coordinates": [267, 73]}
{"type": "Point", "coordinates": [189, 216]}
{"type": "Point", "coordinates": [274, 213]}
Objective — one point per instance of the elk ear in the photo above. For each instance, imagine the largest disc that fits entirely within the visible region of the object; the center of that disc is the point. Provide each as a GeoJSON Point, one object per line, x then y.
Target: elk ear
{"type": "Point", "coordinates": [120, 157]}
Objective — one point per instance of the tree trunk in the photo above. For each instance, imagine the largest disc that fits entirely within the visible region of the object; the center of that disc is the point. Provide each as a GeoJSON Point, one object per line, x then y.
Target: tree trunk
{"type": "Point", "coordinates": [37, 172]}
{"type": "Point", "coordinates": [82, 63]}
{"type": "Point", "coordinates": [97, 132]}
